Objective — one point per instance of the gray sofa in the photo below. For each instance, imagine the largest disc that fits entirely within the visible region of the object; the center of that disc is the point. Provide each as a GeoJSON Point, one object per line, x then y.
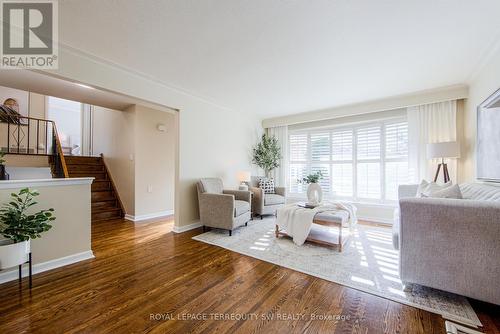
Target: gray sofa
{"type": "Point", "coordinates": [451, 244]}
{"type": "Point", "coordinates": [266, 204]}
{"type": "Point", "coordinates": [219, 208]}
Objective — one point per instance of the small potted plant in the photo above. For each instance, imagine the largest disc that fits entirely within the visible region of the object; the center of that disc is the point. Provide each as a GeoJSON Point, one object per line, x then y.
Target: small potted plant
{"type": "Point", "coordinates": [314, 191]}
{"type": "Point", "coordinates": [3, 174]}
{"type": "Point", "coordinates": [18, 227]}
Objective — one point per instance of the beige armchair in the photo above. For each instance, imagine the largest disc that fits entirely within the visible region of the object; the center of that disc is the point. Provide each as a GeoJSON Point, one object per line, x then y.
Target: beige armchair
{"type": "Point", "coordinates": [266, 204]}
{"type": "Point", "coordinates": [219, 208]}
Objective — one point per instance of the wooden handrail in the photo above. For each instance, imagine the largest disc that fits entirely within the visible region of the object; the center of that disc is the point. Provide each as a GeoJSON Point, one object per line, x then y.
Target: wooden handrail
{"type": "Point", "coordinates": [60, 152]}
{"type": "Point", "coordinates": [32, 118]}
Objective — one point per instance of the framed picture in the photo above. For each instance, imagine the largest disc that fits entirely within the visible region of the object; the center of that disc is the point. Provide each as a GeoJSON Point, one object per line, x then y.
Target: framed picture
{"type": "Point", "coordinates": [488, 139]}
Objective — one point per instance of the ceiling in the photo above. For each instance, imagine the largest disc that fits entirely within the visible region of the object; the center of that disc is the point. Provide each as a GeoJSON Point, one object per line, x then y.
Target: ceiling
{"type": "Point", "coordinates": [279, 57]}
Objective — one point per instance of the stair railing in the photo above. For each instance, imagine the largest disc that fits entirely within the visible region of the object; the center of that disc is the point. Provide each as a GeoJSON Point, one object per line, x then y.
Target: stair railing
{"type": "Point", "coordinates": [32, 136]}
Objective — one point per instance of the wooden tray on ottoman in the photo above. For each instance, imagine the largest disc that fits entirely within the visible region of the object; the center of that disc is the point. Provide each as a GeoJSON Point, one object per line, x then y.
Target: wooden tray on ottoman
{"type": "Point", "coordinates": [322, 237]}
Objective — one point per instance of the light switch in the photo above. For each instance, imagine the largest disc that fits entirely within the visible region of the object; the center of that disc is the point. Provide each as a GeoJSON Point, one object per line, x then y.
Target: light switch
{"type": "Point", "coordinates": [150, 189]}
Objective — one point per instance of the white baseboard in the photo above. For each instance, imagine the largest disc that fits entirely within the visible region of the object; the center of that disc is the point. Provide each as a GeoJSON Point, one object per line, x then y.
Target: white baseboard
{"type": "Point", "coordinates": [11, 275]}
{"type": "Point", "coordinates": [139, 218]}
{"type": "Point", "coordinates": [180, 229]}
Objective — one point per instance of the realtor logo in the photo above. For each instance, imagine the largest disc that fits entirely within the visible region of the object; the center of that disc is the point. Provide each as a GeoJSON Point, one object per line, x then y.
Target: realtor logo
{"type": "Point", "coordinates": [29, 34]}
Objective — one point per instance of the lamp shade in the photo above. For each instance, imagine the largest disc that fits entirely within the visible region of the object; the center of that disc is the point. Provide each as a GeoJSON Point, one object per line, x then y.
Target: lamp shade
{"type": "Point", "coordinates": [244, 176]}
{"type": "Point", "coordinates": [449, 149]}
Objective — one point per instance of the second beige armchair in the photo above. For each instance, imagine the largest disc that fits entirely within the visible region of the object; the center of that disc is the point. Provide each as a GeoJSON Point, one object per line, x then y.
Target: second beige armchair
{"type": "Point", "coordinates": [266, 204]}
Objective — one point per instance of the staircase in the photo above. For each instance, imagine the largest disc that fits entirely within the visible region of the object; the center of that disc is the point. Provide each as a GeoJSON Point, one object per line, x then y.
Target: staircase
{"type": "Point", "coordinates": [106, 203]}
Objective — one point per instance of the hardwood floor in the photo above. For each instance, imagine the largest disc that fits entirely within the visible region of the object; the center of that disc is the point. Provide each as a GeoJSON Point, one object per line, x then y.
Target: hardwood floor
{"type": "Point", "coordinates": [147, 279]}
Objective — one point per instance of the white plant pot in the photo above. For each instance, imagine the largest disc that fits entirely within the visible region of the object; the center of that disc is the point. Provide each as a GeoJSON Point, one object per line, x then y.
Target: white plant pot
{"type": "Point", "coordinates": [13, 254]}
{"type": "Point", "coordinates": [314, 194]}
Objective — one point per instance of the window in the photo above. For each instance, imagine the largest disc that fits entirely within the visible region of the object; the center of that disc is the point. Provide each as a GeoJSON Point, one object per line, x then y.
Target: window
{"type": "Point", "coordinates": [362, 162]}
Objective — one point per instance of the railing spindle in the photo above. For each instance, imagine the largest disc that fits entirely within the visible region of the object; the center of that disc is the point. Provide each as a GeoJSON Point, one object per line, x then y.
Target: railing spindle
{"type": "Point", "coordinates": [18, 134]}
{"type": "Point", "coordinates": [28, 147]}
{"type": "Point", "coordinates": [37, 136]}
{"type": "Point", "coordinates": [46, 137]}
{"type": "Point", "coordinates": [8, 137]}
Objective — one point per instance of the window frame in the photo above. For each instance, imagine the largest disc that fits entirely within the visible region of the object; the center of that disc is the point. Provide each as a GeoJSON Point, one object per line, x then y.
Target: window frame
{"type": "Point", "coordinates": [354, 161]}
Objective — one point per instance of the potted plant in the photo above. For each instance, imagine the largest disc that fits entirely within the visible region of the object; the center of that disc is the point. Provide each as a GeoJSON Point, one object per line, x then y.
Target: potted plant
{"type": "Point", "coordinates": [314, 191]}
{"type": "Point", "coordinates": [3, 174]}
{"type": "Point", "coordinates": [18, 227]}
{"type": "Point", "coordinates": [267, 154]}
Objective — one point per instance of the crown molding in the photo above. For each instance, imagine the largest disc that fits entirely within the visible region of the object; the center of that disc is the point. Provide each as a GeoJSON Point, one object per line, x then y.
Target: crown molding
{"type": "Point", "coordinates": [65, 48]}
{"type": "Point", "coordinates": [440, 94]}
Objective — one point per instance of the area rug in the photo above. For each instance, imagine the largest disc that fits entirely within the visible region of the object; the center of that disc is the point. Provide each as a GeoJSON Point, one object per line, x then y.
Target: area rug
{"type": "Point", "coordinates": [368, 263]}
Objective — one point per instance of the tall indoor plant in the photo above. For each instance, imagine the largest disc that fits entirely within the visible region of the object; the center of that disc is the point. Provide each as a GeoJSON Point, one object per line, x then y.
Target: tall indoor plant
{"type": "Point", "coordinates": [267, 154]}
{"type": "Point", "coordinates": [18, 227]}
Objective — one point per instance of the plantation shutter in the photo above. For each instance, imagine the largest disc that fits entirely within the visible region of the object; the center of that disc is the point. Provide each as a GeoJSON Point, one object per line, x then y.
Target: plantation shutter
{"type": "Point", "coordinates": [342, 145]}
{"type": "Point", "coordinates": [396, 140]}
{"type": "Point", "coordinates": [368, 142]}
{"type": "Point", "coordinates": [299, 156]}
{"type": "Point", "coordinates": [368, 166]}
{"type": "Point", "coordinates": [342, 150]}
{"type": "Point", "coordinates": [298, 147]}
{"type": "Point", "coordinates": [396, 153]}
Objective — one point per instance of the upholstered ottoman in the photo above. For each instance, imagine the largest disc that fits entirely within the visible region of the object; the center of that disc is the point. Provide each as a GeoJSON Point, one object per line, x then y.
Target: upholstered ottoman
{"type": "Point", "coordinates": [337, 220]}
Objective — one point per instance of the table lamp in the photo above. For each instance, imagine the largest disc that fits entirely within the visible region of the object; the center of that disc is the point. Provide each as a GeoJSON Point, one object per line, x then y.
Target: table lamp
{"type": "Point", "coordinates": [244, 178]}
{"type": "Point", "coordinates": [449, 149]}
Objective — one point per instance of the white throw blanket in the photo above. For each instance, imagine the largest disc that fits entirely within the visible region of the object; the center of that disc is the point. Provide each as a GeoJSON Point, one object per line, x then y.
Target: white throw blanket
{"type": "Point", "coordinates": [297, 221]}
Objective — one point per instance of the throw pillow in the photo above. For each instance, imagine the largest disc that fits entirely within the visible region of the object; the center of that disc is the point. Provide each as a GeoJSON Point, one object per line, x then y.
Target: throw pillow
{"type": "Point", "coordinates": [430, 187]}
{"type": "Point", "coordinates": [267, 186]}
{"type": "Point", "coordinates": [449, 192]}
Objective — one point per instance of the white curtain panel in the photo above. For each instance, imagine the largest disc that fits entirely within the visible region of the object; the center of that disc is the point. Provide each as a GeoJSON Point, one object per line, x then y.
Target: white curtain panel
{"type": "Point", "coordinates": [430, 123]}
{"type": "Point", "coordinates": [280, 174]}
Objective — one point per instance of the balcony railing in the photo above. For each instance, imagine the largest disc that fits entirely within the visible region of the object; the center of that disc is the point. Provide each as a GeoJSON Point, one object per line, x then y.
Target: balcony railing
{"type": "Point", "coordinates": [32, 136]}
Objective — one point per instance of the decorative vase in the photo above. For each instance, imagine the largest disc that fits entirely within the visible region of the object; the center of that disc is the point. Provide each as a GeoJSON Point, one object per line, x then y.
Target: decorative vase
{"type": "Point", "coordinates": [13, 254]}
{"type": "Point", "coordinates": [314, 194]}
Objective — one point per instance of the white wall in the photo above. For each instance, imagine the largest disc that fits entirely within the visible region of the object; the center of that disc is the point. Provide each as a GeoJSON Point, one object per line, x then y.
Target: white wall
{"type": "Point", "coordinates": [483, 84]}
{"type": "Point", "coordinates": [213, 141]}
{"type": "Point", "coordinates": [154, 163]}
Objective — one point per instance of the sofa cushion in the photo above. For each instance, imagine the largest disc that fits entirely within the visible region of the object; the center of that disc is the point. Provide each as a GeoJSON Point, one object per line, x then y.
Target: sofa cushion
{"type": "Point", "coordinates": [241, 207]}
{"type": "Point", "coordinates": [273, 199]}
{"type": "Point", "coordinates": [427, 188]}
{"type": "Point", "coordinates": [449, 192]}
{"type": "Point", "coordinates": [267, 186]}
{"type": "Point", "coordinates": [211, 185]}
{"type": "Point", "coordinates": [480, 192]}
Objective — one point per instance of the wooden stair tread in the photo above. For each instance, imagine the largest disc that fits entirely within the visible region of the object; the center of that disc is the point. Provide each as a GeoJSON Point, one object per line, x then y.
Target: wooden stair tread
{"type": "Point", "coordinates": [105, 209]}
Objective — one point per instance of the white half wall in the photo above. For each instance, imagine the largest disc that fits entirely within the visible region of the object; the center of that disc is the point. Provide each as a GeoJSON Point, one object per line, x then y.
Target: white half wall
{"type": "Point", "coordinates": [69, 239]}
